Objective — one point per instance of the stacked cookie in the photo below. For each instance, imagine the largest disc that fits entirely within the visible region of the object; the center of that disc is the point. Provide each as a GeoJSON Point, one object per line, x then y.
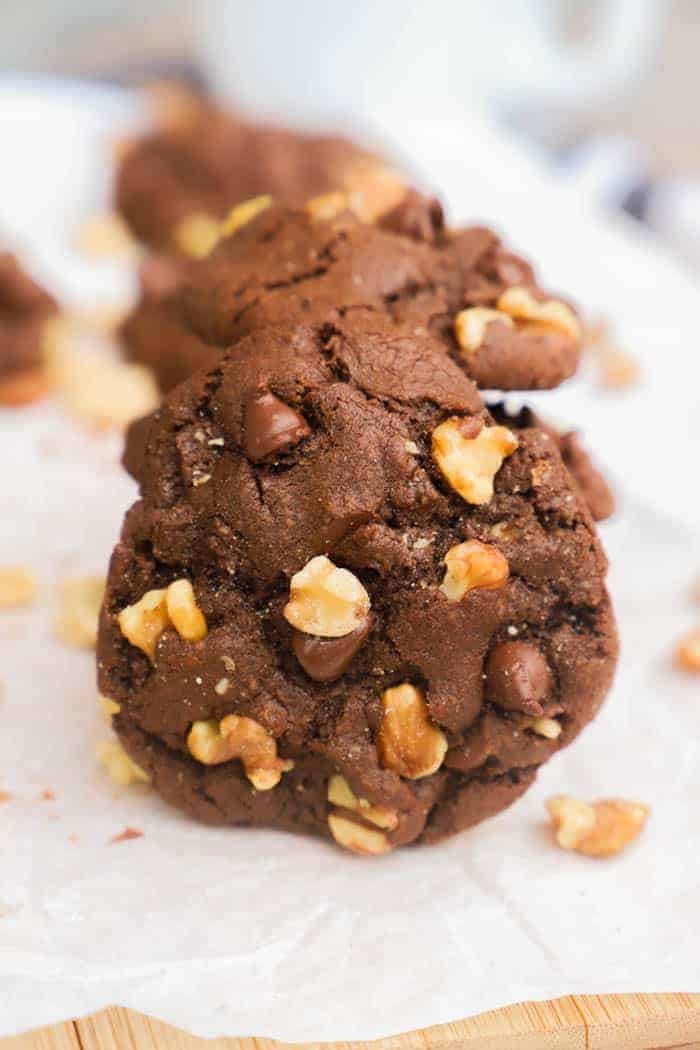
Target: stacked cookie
{"type": "Point", "coordinates": [177, 182]}
{"type": "Point", "coordinates": [24, 310]}
{"type": "Point", "coordinates": [353, 599]}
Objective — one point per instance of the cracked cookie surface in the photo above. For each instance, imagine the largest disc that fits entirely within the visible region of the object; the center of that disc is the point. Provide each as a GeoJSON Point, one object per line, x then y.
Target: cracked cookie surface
{"type": "Point", "coordinates": [288, 266]}
{"type": "Point", "coordinates": [407, 268]}
{"type": "Point", "coordinates": [378, 659]}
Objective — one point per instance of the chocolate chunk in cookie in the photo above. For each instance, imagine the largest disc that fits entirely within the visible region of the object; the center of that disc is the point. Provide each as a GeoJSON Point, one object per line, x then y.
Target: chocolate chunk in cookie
{"type": "Point", "coordinates": [325, 659]}
{"type": "Point", "coordinates": [518, 678]}
{"type": "Point", "coordinates": [270, 426]}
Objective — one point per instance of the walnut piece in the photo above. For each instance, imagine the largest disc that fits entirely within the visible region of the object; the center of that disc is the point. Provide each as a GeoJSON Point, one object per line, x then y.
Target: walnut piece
{"type": "Point", "coordinates": [505, 530]}
{"type": "Point", "coordinates": [17, 587]}
{"type": "Point", "coordinates": [618, 370]}
{"type": "Point", "coordinates": [143, 622]}
{"type": "Point", "coordinates": [522, 305]}
{"type": "Point", "coordinates": [408, 743]}
{"type": "Point", "coordinates": [196, 234]}
{"type": "Point", "coordinates": [108, 706]}
{"type": "Point", "coordinates": [109, 393]}
{"type": "Point", "coordinates": [473, 565]}
{"type": "Point", "coordinates": [171, 104]}
{"type": "Point", "coordinates": [546, 727]}
{"type": "Point", "coordinates": [185, 615]}
{"type": "Point", "coordinates": [81, 600]}
{"type": "Point", "coordinates": [327, 206]}
{"type": "Point", "coordinates": [541, 472]}
{"type": "Point", "coordinates": [23, 388]}
{"type": "Point", "coordinates": [97, 388]}
{"type": "Point", "coordinates": [238, 737]}
{"type": "Point", "coordinates": [121, 769]}
{"type": "Point", "coordinates": [602, 829]}
{"type": "Point", "coordinates": [175, 606]}
{"type": "Point", "coordinates": [106, 236]}
{"type": "Point", "coordinates": [471, 463]}
{"type": "Point", "coordinates": [688, 652]}
{"type": "Point", "coordinates": [470, 326]}
{"type": "Point", "coordinates": [341, 794]}
{"type": "Point", "coordinates": [326, 601]}
{"type": "Point", "coordinates": [373, 190]}
{"type": "Point", "coordinates": [357, 837]}
{"type": "Point", "coordinates": [244, 213]}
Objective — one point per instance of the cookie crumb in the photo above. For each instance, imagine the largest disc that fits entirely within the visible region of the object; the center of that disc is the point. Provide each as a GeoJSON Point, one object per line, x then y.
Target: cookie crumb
{"type": "Point", "coordinates": [108, 706]}
{"type": "Point", "coordinates": [97, 388]}
{"type": "Point", "coordinates": [599, 829]}
{"type": "Point", "coordinates": [5, 796]}
{"type": "Point", "coordinates": [688, 652]}
{"type": "Point", "coordinates": [47, 795]}
{"type": "Point", "coordinates": [197, 234]}
{"type": "Point", "coordinates": [106, 236]}
{"type": "Point", "coordinates": [127, 834]}
{"type": "Point", "coordinates": [121, 769]}
{"type": "Point", "coordinates": [104, 319]}
{"type": "Point", "coordinates": [17, 587]}
{"type": "Point", "coordinates": [23, 388]}
{"type": "Point", "coordinates": [81, 599]}
{"type": "Point", "coordinates": [619, 370]}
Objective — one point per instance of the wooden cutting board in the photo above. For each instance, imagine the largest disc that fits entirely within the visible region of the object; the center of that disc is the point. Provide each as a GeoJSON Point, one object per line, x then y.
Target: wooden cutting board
{"type": "Point", "coordinates": [576, 1022]}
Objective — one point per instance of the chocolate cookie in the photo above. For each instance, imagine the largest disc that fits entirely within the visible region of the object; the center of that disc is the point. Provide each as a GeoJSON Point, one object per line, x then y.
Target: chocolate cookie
{"type": "Point", "coordinates": [319, 264]}
{"type": "Point", "coordinates": [589, 480]}
{"type": "Point", "coordinates": [208, 161]}
{"type": "Point", "coordinates": [24, 309]}
{"type": "Point", "coordinates": [349, 601]}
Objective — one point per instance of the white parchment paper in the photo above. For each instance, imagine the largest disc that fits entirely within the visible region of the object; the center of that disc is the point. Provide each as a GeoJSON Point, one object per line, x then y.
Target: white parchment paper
{"type": "Point", "coordinates": [233, 932]}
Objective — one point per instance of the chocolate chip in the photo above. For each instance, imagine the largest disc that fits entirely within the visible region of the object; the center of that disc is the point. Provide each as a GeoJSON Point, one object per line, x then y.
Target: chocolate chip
{"type": "Point", "coordinates": [416, 216]}
{"type": "Point", "coordinates": [518, 677]}
{"type": "Point", "coordinates": [325, 659]}
{"type": "Point", "coordinates": [271, 426]}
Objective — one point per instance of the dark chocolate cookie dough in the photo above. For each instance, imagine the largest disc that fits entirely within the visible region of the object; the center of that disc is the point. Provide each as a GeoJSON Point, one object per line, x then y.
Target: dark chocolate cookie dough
{"type": "Point", "coordinates": [24, 309]}
{"type": "Point", "coordinates": [313, 265]}
{"type": "Point", "coordinates": [207, 161]}
{"type": "Point", "coordinates": [349, 600]}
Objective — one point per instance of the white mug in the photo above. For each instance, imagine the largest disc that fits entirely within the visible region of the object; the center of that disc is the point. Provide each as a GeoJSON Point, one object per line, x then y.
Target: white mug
{"type": "Point", "coordinates": [319, 61]}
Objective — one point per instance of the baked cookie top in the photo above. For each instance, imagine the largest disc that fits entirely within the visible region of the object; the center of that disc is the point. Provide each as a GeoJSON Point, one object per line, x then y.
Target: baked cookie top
{"type": "Point", "coordinates": [479, 300]}
{"type": "Point", "coordinates": [207, 160]}
{"type": "Point", "coordinates": [347, 550]}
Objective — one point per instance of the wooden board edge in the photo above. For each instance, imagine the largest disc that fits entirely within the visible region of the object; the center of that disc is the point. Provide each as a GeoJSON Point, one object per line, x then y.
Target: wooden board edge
{"type": "Point", "coordinates": [604, 1022]}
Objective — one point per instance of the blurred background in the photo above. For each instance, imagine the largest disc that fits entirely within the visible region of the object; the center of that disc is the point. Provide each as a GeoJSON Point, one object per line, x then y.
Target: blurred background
{"type": "Point", "coordinates": [570, 126]}
{"type": "Point", "coordinates": [602, 89]}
